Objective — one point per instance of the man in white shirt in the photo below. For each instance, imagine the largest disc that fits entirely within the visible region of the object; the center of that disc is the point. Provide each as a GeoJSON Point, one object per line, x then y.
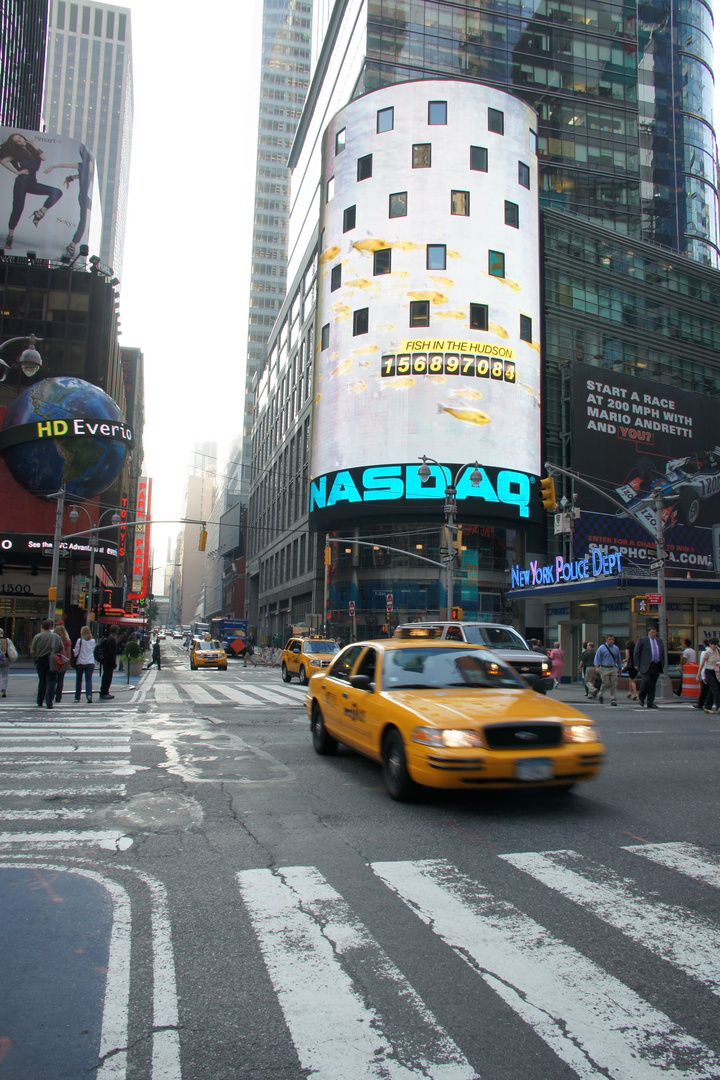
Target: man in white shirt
{"type": "Point", "coordinates": [689, 656]}
{"type": "Point", "coordinates": [609, 664]}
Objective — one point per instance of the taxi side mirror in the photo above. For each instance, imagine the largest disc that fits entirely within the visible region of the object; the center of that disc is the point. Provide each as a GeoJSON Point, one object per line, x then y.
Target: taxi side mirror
{"type": "Point", "coordinates": [361, 682]}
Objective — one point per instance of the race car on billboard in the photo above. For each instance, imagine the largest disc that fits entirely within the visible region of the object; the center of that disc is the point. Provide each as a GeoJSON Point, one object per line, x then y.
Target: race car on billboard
{"type": "Point", "coordinates": [685, 484]}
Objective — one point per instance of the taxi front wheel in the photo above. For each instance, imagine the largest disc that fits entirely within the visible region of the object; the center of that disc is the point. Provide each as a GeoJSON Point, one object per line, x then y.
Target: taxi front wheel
{"type": "Point", "coordinates": [302, 676]}
{"type": "Point", "coordinates": [322, 742]}
{"type": "Point", "coordinates": [286, 676]}
{"type": "Point", "coordinates": [398, 782]}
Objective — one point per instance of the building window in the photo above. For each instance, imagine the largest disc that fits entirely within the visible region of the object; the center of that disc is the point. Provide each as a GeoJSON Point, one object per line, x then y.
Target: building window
{"type": "Point", "coordinates": [526, 329]}
{"type": "Point", "coordinates": [349, 218]}
{"type": "Point", "coordinates": [364, 167]}
{"type": "Point", "coordinates": [460, 203]}
{"type": "Point", "coordinates": [335, 277]}
{"type": "Point", "coordinates": [436, 256]}
{"type": "Point", "coordinates": [437, 112]}
{"type": "Point", "coordinates": [360, 321]}
{"type": "Point", "coordinates": [330, 189]}
{"type": "Point", "coordinates": [478, 158]}
{"type": "Point", "coordinates": [385, 119]}
{"type": "Point", "coordinates": [398, 204]}
{"type": "Point", "coordinates": [382, 261]}
{"type": "Point", "coordinates": [419, 312]}
{"type": "Point", "coordinates": [496, 264]}
{"type": "Point", "coordinates": [533, 141]}
{"type": "Point", "coordinates": [422, 155]}
{"type": "Point", "coordinates": [340, 141]}
{"type": "Point", "coordinates": [478, 316]}
{"type": "Point", "coordinates": [512, 214]}
{"type": "Point", "coordinates": [496, 121]}
{"type": "Point", "coordinates": [524, 175]}
{"type": "Point", "coordinates": [325, 336]}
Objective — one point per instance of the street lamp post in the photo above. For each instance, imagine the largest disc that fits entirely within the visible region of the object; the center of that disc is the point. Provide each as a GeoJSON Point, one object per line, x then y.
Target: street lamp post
{"type": "Point", "coordinates": [450, 509]}
{"type": "Point", "coordinates": [55, 569]}
{"type": "Point", "coordinates": [116, 519]}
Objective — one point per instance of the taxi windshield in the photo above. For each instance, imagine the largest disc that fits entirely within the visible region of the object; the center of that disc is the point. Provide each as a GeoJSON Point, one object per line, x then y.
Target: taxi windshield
{"type": "Point", "coordinates": [320, 647]}
{"type": "Point", "coordinates": [207, 646]}
{"type": "Point", "coordinates": [428, 668]}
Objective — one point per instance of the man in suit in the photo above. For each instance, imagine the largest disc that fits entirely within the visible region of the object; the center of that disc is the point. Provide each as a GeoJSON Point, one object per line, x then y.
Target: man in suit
{"type": "Point", "coordinates": [649, 658]}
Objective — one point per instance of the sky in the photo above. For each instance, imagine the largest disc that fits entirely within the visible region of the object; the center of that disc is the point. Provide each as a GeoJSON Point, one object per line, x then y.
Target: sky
{"type": "Point", "coordinates": [186, 269]}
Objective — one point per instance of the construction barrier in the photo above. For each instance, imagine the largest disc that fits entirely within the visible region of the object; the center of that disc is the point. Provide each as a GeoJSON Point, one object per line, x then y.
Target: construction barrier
{"type": "Point", "coordinates": [691, 683]}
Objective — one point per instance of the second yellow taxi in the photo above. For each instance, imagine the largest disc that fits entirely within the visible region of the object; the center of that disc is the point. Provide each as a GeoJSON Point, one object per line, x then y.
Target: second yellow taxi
{"type": "Point", "coordinates": [448, 715]}
{"type": "Point", "coordinates": [304, 656]}
{"type": "Point", "coordinates": [205, 652]}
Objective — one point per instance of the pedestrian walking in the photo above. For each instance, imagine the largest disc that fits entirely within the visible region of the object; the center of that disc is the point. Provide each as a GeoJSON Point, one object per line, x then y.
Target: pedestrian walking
{"type": "Point", "coordinates": [649, 656]}
{"type": "Point", "coordinates": [84, 663]}
{"type": "Point", "coordinates": [609, 664]}
{"type": "Point", "coordinates": [631, 669]}
{"type": "Point", "coordinates": [556, 662]}
{"type": "Point", "coordinates": [709, 664]}
{"type": "Point", "coordinates": [155, 658]}
{"type": "Point", "coordinates": [41, 646]}
{"type": "Point", "coordinates": [587, 669]}
{"type": "Point", "coordinates": [110, 651]}
{"type": "Point", "coordinates": [67, 650]}
{"type": "Point", "coordinates": [8, 654]}
{"type": "Point", "coordinates": [249, 654]}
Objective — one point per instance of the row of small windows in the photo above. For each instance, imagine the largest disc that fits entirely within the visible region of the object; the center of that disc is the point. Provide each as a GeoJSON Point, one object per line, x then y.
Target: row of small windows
{"type": "Point", "coordinates": [85, 23]}
{"type": "Point", "coordinates": [459, 207]}
{"type": "Point", "coordinates": [437, 115]}
{"type": "Point", "coordinates": [419, 316]}
{"type": "Point", "coordinates": [422, 159]}
{"type": "Point", "coordinates": [435, 259]}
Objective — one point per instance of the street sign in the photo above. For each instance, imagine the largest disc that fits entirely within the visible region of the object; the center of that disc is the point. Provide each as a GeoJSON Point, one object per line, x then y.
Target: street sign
{"type": "Point", "coordinates": [389, 602]}
{"type": "Point", "coordinates": [653, 597]}
{"type": "Point", "coordinates": [351, 607]}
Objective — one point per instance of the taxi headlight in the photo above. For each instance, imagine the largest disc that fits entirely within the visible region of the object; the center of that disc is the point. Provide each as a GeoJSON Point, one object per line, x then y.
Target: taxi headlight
{"type": "Point", "coordinates": [580, 733]}
{"type": "Point", "coordinates": [445, 737]}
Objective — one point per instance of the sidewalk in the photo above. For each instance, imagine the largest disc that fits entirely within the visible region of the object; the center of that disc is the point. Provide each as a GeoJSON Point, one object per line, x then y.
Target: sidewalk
{"type": "Point", "coordinates": [574, 694]}
{"type": "Point", "coordinates": [22, 684]}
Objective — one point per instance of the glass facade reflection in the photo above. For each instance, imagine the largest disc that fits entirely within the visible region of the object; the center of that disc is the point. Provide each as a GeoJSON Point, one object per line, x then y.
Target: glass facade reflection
{"type": "Point", "coordinates": [623, 93]}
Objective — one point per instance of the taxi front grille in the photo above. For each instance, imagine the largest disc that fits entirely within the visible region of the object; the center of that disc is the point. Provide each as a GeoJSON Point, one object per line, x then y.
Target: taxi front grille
{"type": "Point", "coordinates": [523, 736]}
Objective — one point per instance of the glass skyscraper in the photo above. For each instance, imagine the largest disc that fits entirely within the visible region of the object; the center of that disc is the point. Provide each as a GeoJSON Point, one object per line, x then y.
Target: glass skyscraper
{"type": "Point", "coordinates": [23, 37]}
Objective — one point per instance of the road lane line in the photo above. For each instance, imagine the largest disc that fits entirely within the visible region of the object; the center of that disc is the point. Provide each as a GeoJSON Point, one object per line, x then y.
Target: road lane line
{"type": "Point", "coordinates": [108, 839]}
{"type": "Point", "coordinates": [598, 1026]}
{"type": "Point", "coordinates": [278, 696]}
{"type": "Point", "coordinates": [305, 929]}
{"type": "Point", "coordinates": [672, 932]}
{"type": "Point", "coordinates": [688, 859]}
{"type": "Point", "coordinates": [199, 696]}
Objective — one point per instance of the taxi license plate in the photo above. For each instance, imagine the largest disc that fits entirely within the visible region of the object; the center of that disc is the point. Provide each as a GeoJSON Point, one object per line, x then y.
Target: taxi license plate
{"type": "Point", "coordinates": [539, 768]}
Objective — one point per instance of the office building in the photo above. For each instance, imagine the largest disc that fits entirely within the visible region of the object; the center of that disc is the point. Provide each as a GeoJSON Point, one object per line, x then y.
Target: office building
{"type": "Point", "coordinates": [23, 39]}
{"type": "Point", "coordinates": [89, 97]}
{"type": "Point", "coordinates": [284, 77]}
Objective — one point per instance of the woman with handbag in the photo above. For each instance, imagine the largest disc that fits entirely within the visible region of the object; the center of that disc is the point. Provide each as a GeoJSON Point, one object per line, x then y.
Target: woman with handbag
{"type": "Point", "coordinates": [8, 654]}
{"type": "Point", "coordinates": [67, 650]}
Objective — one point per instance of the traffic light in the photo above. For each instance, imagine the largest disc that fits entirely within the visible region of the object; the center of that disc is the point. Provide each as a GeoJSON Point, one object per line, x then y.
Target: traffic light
{"type": "Point", "coordinates": [547, 493]}
{"type": "Point", "coordinates": [128, 607]}
{"type": "Point", "coordinates": [81, 600]}
{"type": "Point", "coordinates": [640, 604]}
{"type": "Point", "coordinates": [202, 542]}
{"type": "Point", "coordinates": [456, 614]}
{"type": "Point", "coordinates": [327, 554]}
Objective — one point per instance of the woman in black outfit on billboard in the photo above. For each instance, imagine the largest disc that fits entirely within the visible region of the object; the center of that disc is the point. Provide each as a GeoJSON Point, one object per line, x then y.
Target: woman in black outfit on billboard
{"type": "Point", "coordinates": [23, 159]}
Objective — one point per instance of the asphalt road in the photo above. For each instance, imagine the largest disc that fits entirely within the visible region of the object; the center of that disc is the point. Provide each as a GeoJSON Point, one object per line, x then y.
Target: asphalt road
{"type": "Point", "coordinates": [187, 891]}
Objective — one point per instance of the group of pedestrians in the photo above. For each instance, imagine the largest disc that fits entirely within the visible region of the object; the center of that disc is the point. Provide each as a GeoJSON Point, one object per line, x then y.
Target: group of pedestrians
{"type": "Point", "coordinates": [52, 649]}
{"type": "Point", "coordinates": [645, 658]}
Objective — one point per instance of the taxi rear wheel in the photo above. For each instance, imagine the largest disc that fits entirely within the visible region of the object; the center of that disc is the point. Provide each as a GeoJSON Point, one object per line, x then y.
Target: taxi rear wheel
{"type": "Point", "coordinates": [286, 676]}
{"type": "Point", "coordinates": [322, 742]}
{"type": "Point", "coordinates": [302, 676]}
{"type": "Point", "coordinates": [398, 782]}
{"type": "Point", "coordinates": [192, 666]}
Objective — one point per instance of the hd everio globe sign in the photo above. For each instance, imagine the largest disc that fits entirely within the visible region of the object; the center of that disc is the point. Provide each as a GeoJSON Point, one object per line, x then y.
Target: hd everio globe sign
{"type": "Point", "coordinates": [428, 305]}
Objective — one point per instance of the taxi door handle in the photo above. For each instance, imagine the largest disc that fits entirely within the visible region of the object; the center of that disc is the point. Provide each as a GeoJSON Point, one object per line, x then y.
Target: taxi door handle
{"type": "Point", "coordinates": [345, 694]}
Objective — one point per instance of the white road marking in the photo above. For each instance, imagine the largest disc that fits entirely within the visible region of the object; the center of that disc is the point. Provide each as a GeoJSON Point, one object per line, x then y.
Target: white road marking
{"type": "Point", "coordinates": [306, 930]}
{"type": "Point", "coordinates": [237, 695]}
{"type": "Point", "coordinates": [599, 1027]}
{"type": "Point", "coordinates": [56, 793]}
{"type": "Point", "coordinates": [685, 858]}
{"type": "Point", "coordinates": [670, 931]}
{"type": "Point", "coordinates": [84, 748]}
{"type": "Point", "coordinates": [198, 695]}
{"type": "Point", "coordinates": [61, 814]}
{"type": "Point", "coordinates": [278, 696]}
{"type": "Point", "coordinates": [110, 840]}
{"type": "Point", "coordinates": [166, 693]}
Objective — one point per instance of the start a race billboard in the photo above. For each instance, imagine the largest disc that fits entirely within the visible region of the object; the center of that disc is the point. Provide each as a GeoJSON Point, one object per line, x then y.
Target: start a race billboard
{"type": "Point", "coordinates": [635, 439]}
{"type": "Point", "coordinates": [49, 195]}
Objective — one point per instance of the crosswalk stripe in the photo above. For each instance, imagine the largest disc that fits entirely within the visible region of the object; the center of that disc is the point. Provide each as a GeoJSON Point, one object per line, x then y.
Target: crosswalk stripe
{"type": "Point", "coordinates": [166, 692]}
{"type": "Point", "coordinates": [240, 697]}
{"type": "Point", "coordinates": [60, 792]}
{"type": "Point", "coordinates": [278, 696]}
{"type": "Point", "coordinates": [59, 814]}
{"type": "Point", "coordinates": [198, 695]}
{"type": "Point", "coordinates": [672, 932]}
{"type": "Point", "coordinates": [593, 1022]}
{"type": "Point", "coordinates": [305, 929]}
{"type": "Point", "coordinates": [685, 858]}
{"type": "Point", "coordinates": [77, 748]}
{"type": "Point", "coordinates": [110, 840]}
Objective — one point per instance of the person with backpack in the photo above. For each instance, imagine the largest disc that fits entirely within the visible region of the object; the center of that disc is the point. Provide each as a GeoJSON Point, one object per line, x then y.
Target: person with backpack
{"type": "Point", "coordinates": [84, 663]}
{"type": "Point", "coordinates": [42, 647]}
{"type": "Point", "coordinates": [109, 650]}
{"type": "Point", "coordinates": [609, 663]}
{"type": "Point", "coordinates": [155, 656]}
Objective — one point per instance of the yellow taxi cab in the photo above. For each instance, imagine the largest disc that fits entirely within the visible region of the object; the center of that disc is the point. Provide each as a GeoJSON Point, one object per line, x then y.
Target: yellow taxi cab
{"type": "Point", "coordinates": [448, 714]}
{"type": "Point", "coordinates": [304, 656]}
{"type": "Point", "coordinates": [206, 652]}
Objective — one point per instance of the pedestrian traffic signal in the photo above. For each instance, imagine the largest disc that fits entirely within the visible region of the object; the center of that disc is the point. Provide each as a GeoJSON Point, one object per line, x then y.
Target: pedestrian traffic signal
{"type": "Point", "coordinates": [456, 613]}
{"type": "Point", "coordinates": [547, 493]}
{"type": "Point", "coordinates": [640, 604]}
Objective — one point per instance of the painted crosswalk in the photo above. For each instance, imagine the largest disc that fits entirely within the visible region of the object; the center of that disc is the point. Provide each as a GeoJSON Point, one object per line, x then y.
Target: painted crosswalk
{"type": "Point", "coordinates": [253, 696]}
{"type": "Point", "coordinates": [324, 962]}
